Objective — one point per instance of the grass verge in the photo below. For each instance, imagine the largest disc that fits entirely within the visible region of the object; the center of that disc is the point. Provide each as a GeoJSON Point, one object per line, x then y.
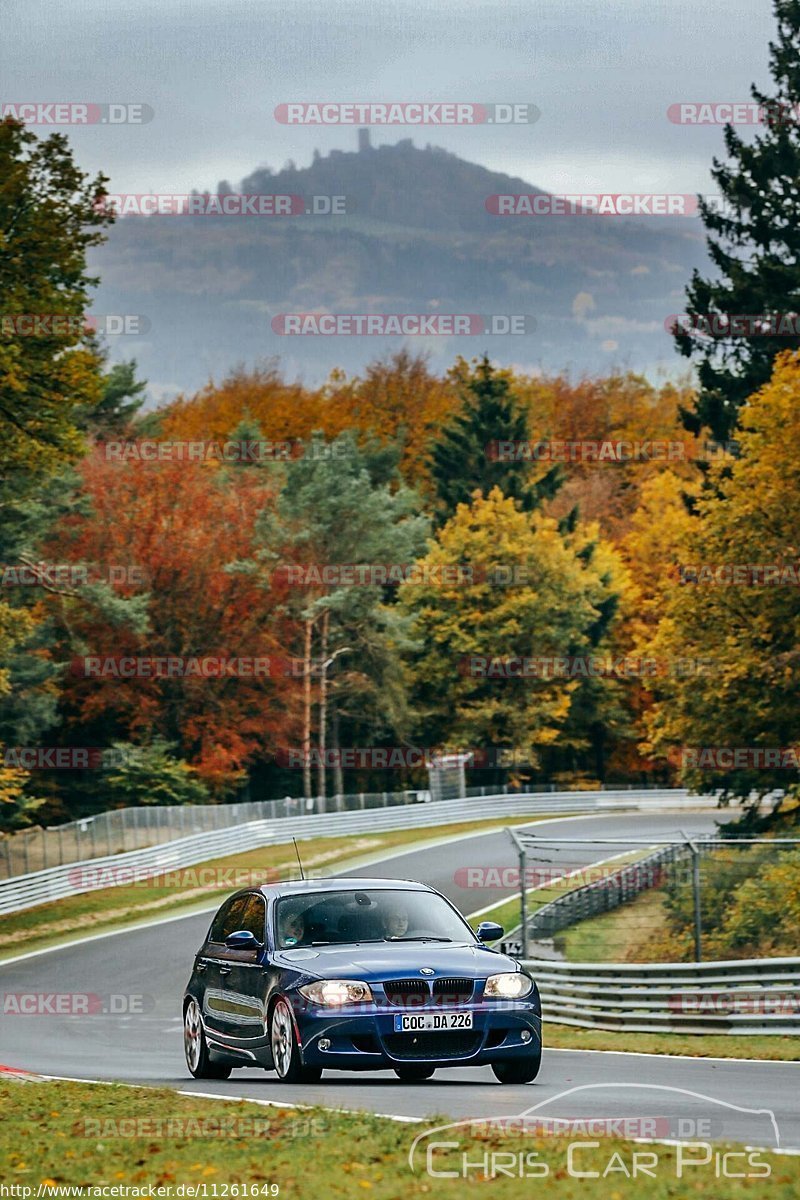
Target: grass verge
{"type": "Point", "coordinates": [65, 1134]}
{"type": "Point", "coordinates": [621, 935]}
{"type": "Point", "coordinates": [507, 912]}
{"type": "Point", "coordinates": [704, 1045]}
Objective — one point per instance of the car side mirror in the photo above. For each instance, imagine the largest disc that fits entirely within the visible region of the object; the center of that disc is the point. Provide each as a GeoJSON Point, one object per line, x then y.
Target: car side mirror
{"type": "Point", "coordinates": [489, 931]}
{"type": "Point", "coordinates": [242, 939]}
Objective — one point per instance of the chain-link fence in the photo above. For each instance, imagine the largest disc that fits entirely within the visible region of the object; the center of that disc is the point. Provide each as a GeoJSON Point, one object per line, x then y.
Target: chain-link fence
{"type": "Point", "coordinates": [120, 830]}
{"type": "Point", "coordinates": [680, 898]}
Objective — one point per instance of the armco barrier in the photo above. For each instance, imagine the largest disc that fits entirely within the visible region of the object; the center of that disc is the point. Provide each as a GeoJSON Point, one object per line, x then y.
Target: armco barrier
{"type": "Point", "coordinates": [614, 889]}
{"type": "Point", "coordinates": [748, 996]}
{"type": "Point", "coordinates": [54, 883]}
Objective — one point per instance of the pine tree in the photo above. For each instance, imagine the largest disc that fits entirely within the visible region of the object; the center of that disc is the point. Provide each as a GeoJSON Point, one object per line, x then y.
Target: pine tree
{"type": "Point", "coordinates": [754, 244]}
{"type": "Point", "coordinates": [464, 459]}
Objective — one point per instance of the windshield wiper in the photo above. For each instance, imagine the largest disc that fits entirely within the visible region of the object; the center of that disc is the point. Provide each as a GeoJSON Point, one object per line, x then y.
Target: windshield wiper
{"type": "Point", "coordinates": [424, 937]}
{"type": "Point", "coordinates": [352, 942]}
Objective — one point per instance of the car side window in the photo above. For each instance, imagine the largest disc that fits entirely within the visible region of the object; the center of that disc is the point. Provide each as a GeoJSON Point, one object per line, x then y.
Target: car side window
{"type": "Point", "coordinates": [228, 919]}
{"type": "Point", "coordinates": [254, 918]}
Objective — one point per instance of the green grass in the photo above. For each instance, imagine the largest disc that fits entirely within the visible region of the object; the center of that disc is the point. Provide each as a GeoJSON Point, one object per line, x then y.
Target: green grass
{"type": "Point", "coordinates": [618, 935]}
{"type": "Point", "coordinates": [507, 912]}
{"type": "Point", "coordinates": [116, 907]}
{"type": "Point", "coordinates": [66, 1134]}
{"type": "Point", "coordinates": [705, 1045]}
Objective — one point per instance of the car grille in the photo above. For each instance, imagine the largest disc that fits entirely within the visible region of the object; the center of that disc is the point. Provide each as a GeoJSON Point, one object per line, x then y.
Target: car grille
{"type": "Point", "coordinates": [407, 993]}
{"type": "Point", "coordinates": [416, 993]}
{"type": "Point", "coordinates": [432, 1044]}
{"type": "Point", "coordinates": [453, 991]}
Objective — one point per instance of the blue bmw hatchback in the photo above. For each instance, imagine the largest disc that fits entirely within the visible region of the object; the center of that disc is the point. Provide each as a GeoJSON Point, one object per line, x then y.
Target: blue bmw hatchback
{"type": "Point", "coordinates": [356, 975]}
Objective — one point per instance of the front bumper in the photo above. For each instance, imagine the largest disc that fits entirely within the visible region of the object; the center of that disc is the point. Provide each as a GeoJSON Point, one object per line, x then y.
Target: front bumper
{"type": "Point", "coordinates": [366, 1040]}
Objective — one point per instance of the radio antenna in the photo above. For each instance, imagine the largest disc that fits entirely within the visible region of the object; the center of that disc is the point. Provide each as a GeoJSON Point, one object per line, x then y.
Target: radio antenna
{"type": "Point", "coordinates": [299, 863]}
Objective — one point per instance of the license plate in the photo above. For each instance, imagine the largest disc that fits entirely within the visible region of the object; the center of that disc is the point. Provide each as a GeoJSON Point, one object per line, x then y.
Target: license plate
{"type": "Point", "coordinates": [414, 1022]}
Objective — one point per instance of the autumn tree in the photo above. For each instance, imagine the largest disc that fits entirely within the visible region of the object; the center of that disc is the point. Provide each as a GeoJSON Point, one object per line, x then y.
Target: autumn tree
{"type": "Point", "coordinates": [49, 373]}
{"type": "Point", "coordinates": [746, 625]}
{"type": "Point", "coordinates": [337, 507]}
{"type": "Point", "coordinates": [174, 528]}
{"type": "Point", "coordinates": [499, 584]}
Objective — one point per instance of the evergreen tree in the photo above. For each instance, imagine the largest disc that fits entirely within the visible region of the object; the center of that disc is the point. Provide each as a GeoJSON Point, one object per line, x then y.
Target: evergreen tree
{"type": "Point", "coordinates": [465, 457]}
{"type": "Point", "coordinates": [121, 399]}
{"type": "Point", "coordinates": [754, 244]}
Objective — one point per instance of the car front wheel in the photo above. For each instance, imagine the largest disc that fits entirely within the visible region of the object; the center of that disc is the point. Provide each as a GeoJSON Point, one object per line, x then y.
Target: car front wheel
{"type": "Point", "coordinates": [196, 1049]}
{"type": "Point", "coordinates": [519, 1070]}
{"type": "Point", "coordinates": [286, 1057]}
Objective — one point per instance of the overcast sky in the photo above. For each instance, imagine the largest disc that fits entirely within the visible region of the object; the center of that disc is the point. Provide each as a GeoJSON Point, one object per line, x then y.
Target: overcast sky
{"type": "Point", "coordinates": [602, 72]}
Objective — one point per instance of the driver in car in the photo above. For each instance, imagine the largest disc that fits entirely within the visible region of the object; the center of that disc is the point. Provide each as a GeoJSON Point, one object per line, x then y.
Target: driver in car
{"type": "Point", "coordinates": [395, 921]}
{"type": "Point", "coordinates": [291, 927]}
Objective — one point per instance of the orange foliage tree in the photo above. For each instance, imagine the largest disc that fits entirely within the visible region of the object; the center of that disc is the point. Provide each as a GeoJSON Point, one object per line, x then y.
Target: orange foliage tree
{"type": "Point", "coordinates": [176, 526]}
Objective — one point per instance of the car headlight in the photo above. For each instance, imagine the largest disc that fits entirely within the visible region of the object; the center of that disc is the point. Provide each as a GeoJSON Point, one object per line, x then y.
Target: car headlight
{"type": "Point", "coordinates": [511, 985]}
{"type": "Point", "coordinates": [332, 992]}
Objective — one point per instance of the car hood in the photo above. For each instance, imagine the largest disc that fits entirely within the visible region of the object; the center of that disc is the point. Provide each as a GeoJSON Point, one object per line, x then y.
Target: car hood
{"type": "Point", "coordinates": [398, 961]}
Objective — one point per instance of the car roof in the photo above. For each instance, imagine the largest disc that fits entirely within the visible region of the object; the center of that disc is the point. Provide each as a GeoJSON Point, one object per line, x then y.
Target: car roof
{"type": "Point", "coordinates": [300, 887]}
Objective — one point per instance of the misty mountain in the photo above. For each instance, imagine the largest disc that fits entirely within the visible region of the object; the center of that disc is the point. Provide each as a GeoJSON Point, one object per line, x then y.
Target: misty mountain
{"type": "Point", "coordinates": [416, 237]}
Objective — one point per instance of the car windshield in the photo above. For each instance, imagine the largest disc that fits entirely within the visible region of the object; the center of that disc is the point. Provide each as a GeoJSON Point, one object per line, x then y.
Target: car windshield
{"type": "Point", "coordinates": [372, 915]}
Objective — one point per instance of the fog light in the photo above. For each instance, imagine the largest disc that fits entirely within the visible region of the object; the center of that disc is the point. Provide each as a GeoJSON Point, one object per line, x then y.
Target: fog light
{"type": "Point", "coordinates": [526, 1035]}
{"type": "Point", "coordinates": [325, 1043]}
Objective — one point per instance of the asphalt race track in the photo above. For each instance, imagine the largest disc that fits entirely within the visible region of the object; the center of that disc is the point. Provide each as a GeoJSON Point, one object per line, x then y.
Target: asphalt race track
{"type": "Point", "coordinates": [689, 1099]}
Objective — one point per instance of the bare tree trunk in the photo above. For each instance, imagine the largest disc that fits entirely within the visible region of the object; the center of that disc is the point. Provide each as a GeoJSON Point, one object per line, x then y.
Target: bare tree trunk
{"type": "Point", "coordinates": [307, 709]}
{"type": "Point", "coordinates": [322, 782]}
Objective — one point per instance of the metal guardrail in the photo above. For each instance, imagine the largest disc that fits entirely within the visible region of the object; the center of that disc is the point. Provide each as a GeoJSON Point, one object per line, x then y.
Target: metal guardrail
{"type": "Point", "coordinates": [54, 883]}
{"type": "Point", "coordinates": [616, 888]}
{"type": "Point", "coordinates": [119, 830]}
{"type": "Point", "coordinates": [748, 996]}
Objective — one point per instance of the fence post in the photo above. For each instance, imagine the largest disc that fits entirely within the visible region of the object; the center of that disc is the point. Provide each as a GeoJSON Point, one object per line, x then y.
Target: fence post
{"type": "Point", "coordinates": [698, 920]}
{"type": "Point", "coordinates": [523, 903]}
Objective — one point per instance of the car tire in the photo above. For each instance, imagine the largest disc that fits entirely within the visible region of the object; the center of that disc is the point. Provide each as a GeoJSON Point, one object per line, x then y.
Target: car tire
{"type": "Point", "coordinates": [195, 1047]}
{"type": "Point", "coordinates": [286, 1058]}
{"type": "Point", "coordinates": [414, 1074]}
{"type": "Point", "coordinates": [520, 1070]}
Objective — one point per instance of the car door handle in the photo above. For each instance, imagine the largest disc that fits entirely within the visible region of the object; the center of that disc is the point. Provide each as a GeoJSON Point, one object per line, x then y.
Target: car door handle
{"type": "Point", "coordinates": [225, 970]}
